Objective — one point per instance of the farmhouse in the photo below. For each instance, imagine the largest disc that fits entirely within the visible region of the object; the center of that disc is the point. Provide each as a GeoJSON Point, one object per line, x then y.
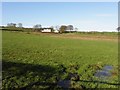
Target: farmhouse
{"type": "Point", "coordinates": [47, 30]}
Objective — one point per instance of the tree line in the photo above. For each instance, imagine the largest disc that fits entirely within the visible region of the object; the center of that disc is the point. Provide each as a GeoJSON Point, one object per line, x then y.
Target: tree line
{"type": "Point", "coordinates": [38, 27]}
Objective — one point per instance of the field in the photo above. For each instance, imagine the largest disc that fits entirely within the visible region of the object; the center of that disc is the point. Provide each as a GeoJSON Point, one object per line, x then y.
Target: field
{"type": "Point", "coordinates": [71, 60]}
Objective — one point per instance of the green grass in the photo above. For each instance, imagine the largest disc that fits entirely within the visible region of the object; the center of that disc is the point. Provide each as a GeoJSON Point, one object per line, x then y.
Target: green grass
{"type": "Point", "coordinates": [29, 58]}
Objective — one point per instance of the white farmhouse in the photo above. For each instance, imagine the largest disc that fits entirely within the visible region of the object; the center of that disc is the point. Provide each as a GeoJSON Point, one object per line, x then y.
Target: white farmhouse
{"type": "Point", "coordinates": [46, 30]}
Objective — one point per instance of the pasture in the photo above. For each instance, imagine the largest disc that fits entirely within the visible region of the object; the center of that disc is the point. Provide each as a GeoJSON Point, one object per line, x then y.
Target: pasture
{"type": "Point", "coordinates": [50, 60]}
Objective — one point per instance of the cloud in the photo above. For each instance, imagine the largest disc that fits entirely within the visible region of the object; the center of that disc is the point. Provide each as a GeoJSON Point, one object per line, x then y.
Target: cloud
{"type": "Point", "coordinates": [105, 15]}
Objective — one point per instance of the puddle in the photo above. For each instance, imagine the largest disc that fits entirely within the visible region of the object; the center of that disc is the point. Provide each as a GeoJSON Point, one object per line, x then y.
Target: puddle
{"type": "Point", "coordinates": [107, 68]}
{"type": "Point", "coordinates": [67, 82]}
{"type": "Point", "coordinates": [104, 73]}
{"type": "Point", "coordinates": [64, 83]}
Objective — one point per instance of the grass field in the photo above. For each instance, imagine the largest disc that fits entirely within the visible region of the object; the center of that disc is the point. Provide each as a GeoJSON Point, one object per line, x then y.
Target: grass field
{"type": "Point", "coordinates": [47, 60]}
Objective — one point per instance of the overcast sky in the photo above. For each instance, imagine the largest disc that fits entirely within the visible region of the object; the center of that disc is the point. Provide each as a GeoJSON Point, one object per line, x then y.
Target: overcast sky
{"type": "Point", "coordinates": [100, 16]}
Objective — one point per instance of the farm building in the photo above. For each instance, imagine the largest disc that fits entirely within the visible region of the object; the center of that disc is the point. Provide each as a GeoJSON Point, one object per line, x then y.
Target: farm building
{"type": "Point", "coordinates": [47, 30]}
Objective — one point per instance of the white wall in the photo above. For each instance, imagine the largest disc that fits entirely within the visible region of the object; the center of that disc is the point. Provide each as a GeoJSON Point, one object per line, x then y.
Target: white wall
{"type": "Point", "coordinates": [46, 30]}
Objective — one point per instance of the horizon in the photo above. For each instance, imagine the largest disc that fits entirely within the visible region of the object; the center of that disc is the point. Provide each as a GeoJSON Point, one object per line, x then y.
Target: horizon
{"type": "Point", "coordinates": [91, 16]}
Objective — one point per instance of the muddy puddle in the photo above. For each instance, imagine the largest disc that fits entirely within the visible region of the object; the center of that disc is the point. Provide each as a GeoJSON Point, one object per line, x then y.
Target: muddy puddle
{"type": "Point", "coordinates": [104, 73]}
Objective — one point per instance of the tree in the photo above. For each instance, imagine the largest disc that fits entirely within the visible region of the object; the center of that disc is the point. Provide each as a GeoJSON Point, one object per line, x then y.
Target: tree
{"type": "Point", "coordinates": [37, 27]}
{"type": "Point", "coordinates": [11, 25]}
{"type": "Point", "coordinates": [57, 28]}
{"type": "Point", "coordinates": [63, 28]}
{"type": "Point", "coordinates": [70, 27]}
{"type": "Point", "coordinates": [20, 25]}
{"type": "Point", "coordinates": [52, 28]}
{"type": "Point", "coordinates": [76, 29]}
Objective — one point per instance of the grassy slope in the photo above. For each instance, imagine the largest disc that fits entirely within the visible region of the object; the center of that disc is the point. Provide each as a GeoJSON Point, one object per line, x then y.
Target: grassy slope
{"type": "Point", "coordinates": [39, 49]}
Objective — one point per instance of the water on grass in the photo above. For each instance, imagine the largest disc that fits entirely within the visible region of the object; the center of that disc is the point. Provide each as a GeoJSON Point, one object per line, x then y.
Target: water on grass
{"type": "Point", "coordinates": [107, 67]}
{"type": "Point", "coordinates": [64, 83]}
{"type": "Point", "coordinates": [104, 73]}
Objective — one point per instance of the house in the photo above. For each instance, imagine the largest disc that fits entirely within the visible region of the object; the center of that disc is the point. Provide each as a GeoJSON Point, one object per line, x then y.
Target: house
{"type": "Point", "coordinates": [47, 30]}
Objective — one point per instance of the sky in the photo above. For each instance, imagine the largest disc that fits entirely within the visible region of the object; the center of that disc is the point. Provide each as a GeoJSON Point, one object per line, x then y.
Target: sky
{"type": "Point", "coordinates": [86, 16]}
